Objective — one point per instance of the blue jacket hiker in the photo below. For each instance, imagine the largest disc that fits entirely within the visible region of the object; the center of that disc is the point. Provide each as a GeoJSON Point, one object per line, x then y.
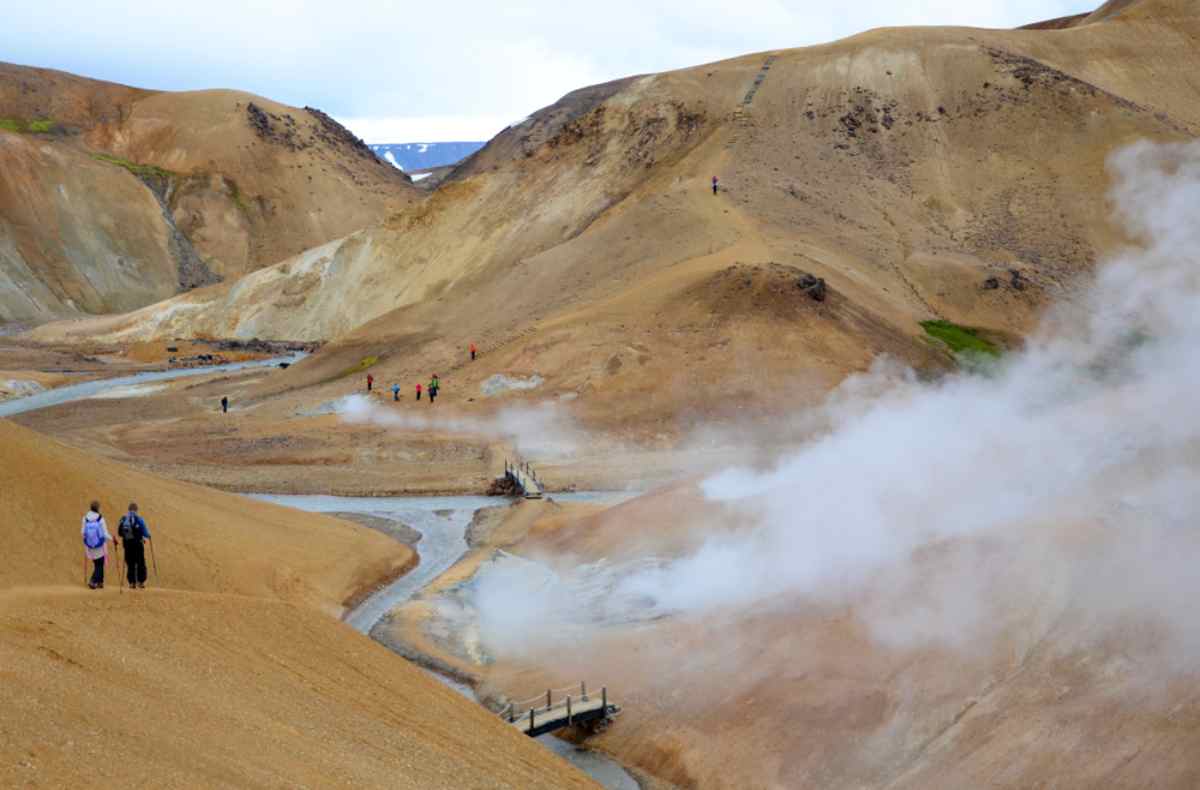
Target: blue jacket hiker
{"type": "Point", "coordinates": [134, 534]}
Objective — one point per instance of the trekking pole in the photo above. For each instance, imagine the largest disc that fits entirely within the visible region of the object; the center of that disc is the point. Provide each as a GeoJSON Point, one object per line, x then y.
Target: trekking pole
{"type": "Point", "coordinates": [154, 559]}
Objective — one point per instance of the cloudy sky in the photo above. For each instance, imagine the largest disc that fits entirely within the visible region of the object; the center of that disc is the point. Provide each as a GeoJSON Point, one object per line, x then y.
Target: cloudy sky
{"type": "Point", "coordinates": [454, 70]}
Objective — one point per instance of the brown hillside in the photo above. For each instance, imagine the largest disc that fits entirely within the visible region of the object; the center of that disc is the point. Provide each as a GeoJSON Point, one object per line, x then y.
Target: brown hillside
{"type": "Point", "coordinates": [232, 181]}
{"type": "Point", "coordinates": [911, 169]}
{"type": "Point", "coordinates": [229, 670]}
{"type": "Point", "coordinates": [207, 541]}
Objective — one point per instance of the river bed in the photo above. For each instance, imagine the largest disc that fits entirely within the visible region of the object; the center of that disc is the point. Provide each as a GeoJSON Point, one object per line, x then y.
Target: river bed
{"type": "Point", "coordinates": [443, 522]}
{"type": "Point", "coordinates": [98, 387]}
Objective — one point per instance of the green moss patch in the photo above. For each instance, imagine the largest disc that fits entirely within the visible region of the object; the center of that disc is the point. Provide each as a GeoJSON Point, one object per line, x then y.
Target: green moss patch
{"type": "Point", "coordinates": [960, 339]}
{"type": "Point", "coordinates": [365, 363]}
{"type": "Point", "coordinates": [21, 126]}
{"type": "Point", "coordinates": [141, 171]}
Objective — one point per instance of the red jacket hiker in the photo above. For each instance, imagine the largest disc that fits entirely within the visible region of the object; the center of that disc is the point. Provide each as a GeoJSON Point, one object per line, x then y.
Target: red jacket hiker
{"type": "Point", "coordinates": [370, 382]}
{"type": "Point", "coordinates": [472, 352]}
{"type": "Point", "coordinates": [418, 392]}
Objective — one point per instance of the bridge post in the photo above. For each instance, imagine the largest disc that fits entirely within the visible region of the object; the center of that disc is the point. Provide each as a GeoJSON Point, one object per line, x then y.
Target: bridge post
{"type": "Point", "coordinates": [547, 698]}
{"type": "Point", "coordinates": [604, 699]}
{"type": "Point", "coordinates": [568, 710]}
{"type": "Point", "coordinates": [531, 721]}
{"type": "Point", "coordinates": [583, 688]}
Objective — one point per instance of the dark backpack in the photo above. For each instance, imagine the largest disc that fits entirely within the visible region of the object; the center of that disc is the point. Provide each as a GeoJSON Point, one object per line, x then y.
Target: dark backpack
{"type": "Point", "coordinates": [128, 528]}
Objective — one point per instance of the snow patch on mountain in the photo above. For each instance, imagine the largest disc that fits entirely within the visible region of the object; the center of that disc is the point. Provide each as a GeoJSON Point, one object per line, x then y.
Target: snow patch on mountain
{"type": "Point", "coordinates": [424, 156]}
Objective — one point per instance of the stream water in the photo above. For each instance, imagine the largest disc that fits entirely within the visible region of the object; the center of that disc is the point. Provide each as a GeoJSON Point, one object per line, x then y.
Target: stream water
{"type": "Point", "coordinates": [88, 389]}
{"type": "Point", "coordinates": [442, 522]}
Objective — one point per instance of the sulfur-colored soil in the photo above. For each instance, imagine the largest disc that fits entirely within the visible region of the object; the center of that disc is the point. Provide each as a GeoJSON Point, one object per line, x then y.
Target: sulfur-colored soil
{"type": "Point", "coordinates": [230, 669]}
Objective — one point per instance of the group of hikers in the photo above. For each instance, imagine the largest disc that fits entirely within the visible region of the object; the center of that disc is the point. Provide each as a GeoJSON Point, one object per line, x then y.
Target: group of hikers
{"type": "Point", "coordinates": [432, 390]}
{"type": "Point", "coordinates": [133, 534]}
{"type": "Point", "coordinates": [435, 386]}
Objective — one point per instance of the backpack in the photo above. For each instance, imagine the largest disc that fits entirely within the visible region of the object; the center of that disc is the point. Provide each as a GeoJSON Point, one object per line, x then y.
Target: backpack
{"type": "Point", "coordinates": [93, 535]}
{"type": "Point", "coordinates": [127, 528]}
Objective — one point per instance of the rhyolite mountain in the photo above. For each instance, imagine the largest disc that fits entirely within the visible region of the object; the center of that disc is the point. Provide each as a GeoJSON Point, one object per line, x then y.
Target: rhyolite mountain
{"type": "Point", "coordinates": [114, 197]}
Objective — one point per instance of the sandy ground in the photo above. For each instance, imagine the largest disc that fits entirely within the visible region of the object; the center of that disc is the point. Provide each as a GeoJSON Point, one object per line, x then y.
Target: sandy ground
{"type": "Point", "coordinates": [231, 669]}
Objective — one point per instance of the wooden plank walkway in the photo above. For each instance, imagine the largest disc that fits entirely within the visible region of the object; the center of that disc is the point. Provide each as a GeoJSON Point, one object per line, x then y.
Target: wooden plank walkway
{"type": "Point", "coordinates": [572, 709]}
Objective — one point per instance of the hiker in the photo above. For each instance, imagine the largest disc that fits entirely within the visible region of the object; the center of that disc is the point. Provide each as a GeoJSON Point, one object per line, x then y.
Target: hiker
{"type": "Point", "coordinates": [134, 534]}
{"type": "Point", "coordinates": [370, 382]}
{"type": "Point", "coordinates": [418, 392]}
{"type": "Point", "coordinates": [716, 184]}
{"type": "Point", "coordinates": [95, 544]}
{"type": "Point", "coordinates": [472, 352]}
{"type": "Point", "coordinates": [396, 392]}
{"type": "Point", "coordinates": [434, 386]}
{"type": "Point", "coordinates": [224, 404]}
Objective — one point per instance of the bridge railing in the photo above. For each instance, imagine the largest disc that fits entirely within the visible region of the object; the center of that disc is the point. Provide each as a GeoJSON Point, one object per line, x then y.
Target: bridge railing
{"type": "Point", "coordinates": [539, 707]}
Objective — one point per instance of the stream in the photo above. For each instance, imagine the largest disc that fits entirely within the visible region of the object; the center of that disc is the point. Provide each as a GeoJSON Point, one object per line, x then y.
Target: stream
{"type": "Point", "coordinates": [442, 522]}
{"type": "Point", "coordinates": [89, 389]}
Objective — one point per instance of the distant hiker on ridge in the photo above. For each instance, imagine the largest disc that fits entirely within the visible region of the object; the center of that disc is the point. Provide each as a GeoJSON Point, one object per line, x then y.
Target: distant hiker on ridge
{"type": "Point", "coordinates": [95, 544]}
{"type": "Point", "coordinates": [418, 392]}
{"type": "Point", "coordinates": [396, 392]}
{"type": "Point", "coordinates": [716, 184]}
{"type": "Point", "coordinates": [134, 534]}
{"type": "Point", "coordinates": [434, 386]}
{"type": "Point", "coordinates": [224, 404]}
{"type": "Point", "coordinates": [472, 352]}
{"type": "Point", "coordinates": [370, 382]}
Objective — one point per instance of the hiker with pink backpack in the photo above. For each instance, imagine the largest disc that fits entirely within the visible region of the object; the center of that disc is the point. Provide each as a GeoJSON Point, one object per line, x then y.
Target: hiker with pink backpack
{"type": "Point", "coordinates": [95, 545]}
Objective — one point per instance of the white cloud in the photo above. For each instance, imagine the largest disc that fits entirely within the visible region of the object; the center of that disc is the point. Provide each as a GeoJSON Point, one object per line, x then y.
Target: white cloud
{"type": "Point", "coordinates": [427, 127]}
{"type": "Point", "coordinates": [455, 67]}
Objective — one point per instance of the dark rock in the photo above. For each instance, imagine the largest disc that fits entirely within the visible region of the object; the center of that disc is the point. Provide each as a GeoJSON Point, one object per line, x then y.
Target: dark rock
{"type": "Point", "coordinates": [814, 286]}
{"type": "Point", "coordinates": [502, 486]}
{"type": "Point", "coordinates": [991, 283]}
{"type": "Point", "coordinates": [1017, 281]}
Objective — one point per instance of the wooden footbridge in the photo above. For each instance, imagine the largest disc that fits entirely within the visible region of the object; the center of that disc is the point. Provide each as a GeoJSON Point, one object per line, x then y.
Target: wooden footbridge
{"type": "Point", "coordinates": [543, 714]}
{"type": "Point", "coordinates": [524, 479]}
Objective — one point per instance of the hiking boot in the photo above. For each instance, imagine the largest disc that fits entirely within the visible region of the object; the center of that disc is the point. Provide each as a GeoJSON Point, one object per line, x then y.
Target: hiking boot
{"type": "Point", "coordinates": [91, 585]}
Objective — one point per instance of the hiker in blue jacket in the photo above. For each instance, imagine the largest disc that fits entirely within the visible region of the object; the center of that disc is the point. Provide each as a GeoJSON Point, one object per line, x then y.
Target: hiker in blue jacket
{"type": "Point", "coordinates": [134, 534]}
{"type": "Point", "coordinates": [95, 544]}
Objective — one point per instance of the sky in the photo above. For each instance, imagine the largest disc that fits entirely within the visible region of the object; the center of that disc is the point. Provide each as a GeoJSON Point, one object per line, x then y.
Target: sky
{"type": "Point", "coordinates": [406, 72]}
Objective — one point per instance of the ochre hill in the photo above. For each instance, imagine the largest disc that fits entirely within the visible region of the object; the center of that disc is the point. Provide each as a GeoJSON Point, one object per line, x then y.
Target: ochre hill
{"type": "Point", "coordinates": [230, 670]}
{"type": "Point", "coordinates": [113, 197]}
{"type": "Point", "coordinates": [928, 173]}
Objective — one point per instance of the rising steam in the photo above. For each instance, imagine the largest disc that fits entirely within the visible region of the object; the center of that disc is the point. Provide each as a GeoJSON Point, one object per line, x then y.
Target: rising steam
{"type": "Point", "coordinates": [544, 431]}
{"type": "Point", "coordinates": [1076, 461]}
